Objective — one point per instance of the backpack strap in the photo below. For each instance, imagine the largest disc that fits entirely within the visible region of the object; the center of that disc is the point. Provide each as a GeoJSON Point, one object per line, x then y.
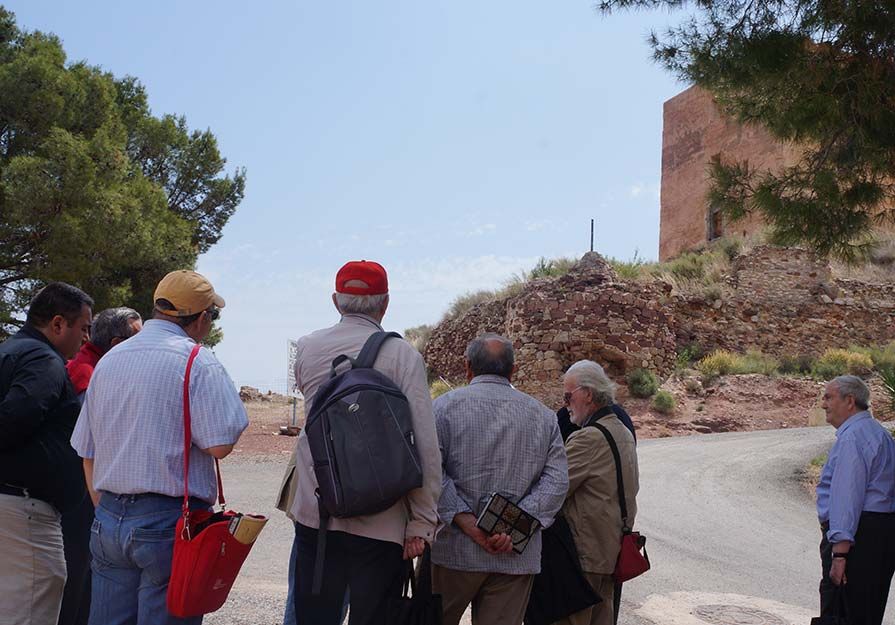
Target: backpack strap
{"type": "Point", "coordinates": [620, 483]}
{"type": "Point", "coordinates": [320, 556]}
{"type": "Point", "coordinates": [367, 356]}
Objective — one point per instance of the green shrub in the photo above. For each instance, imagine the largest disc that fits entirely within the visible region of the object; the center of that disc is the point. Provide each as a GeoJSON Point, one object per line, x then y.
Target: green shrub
{"type": "Point", "coordinates": [642, 383]}
{"type": "Point", "coordinates": [719, 362]}
{"type": "Point", "coordinates": [883, 357]}
{"type": "Point", "coordinates": [835, 362]}
{"type": "Point", "coordinates": [796, 365]}
{"type": "Point", "coordinates": [552, 268]}
{"type": "Point", "coordinates": [887, 377]}
{"type": "Point", "coordinates": [687, 355]}
{"type": "Point", "coordinates": [664, 402]}
{"type": "Point", "coordinates": [633, 269]}
{"type": "Point", "coordinates": [690, 265]}
{"type": "Point", "coordinates": [439, 387]}
{"type": "Point", "coordinates": [730, 247]}
{"type": "Point", "coordinates": [756, 362]}
{"type": "Point", "coordinates": [418, 337]}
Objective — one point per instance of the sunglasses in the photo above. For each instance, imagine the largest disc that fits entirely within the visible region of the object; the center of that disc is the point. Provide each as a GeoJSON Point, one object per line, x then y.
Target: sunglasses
{"type": "Point", "coordinates": [567, 397]}
{"type": "Point", "coordinates": [214, 313]}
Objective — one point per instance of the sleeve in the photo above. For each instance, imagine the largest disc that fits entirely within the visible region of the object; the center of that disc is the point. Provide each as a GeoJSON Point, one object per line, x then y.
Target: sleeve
{"type": "Point", "coordinates": [218, 415]}
{"type": "Point", "coordinates": [579, 456]}
{"type": "Point", "coordinates": [546, 496]}
{"type": "Point", "coordinates": [82, 437]}
{"type": "Point", "coordinates": [450, 504]}
{"type": "Point", "coordinates": [423, 502]}
{"type": "Point", "coordinates": [35, 388]}
{"type": "Point", "coordinates": [847, 491]}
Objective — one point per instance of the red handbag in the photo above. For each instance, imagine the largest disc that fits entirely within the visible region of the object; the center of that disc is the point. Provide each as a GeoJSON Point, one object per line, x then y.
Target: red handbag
{"type": "Point", "coordinates": [632, 557]}
{"type": "Point", "coordinates": [207, 556]}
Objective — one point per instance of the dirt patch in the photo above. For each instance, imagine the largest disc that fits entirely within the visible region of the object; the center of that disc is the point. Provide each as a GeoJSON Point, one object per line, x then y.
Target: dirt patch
{"type": "Point", "coordinates": [267, 413]}
{"type": "Point", "coordinates": [733, 403]}
{"type": "Point", "coordinates": [739, 403]}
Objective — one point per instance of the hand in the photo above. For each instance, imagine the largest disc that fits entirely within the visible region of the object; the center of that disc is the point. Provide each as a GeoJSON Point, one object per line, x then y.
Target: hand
{"type": "Point", "coordinates": [493, 544]}
{"type": "Point", "coordinates": [837, 572]}
{"type": "Point", "coordinates": [414, 547]}
{"type": "Point", "coordinates": [501, 543]}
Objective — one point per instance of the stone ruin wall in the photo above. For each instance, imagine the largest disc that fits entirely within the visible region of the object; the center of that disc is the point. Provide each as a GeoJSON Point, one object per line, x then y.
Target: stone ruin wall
{"type": "Point", "coordinates": [781, 301]}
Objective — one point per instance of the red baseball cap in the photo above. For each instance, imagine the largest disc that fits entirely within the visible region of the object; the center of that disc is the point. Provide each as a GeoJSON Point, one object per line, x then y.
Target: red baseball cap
{"type": "Point", "coordinates": [367, 272]}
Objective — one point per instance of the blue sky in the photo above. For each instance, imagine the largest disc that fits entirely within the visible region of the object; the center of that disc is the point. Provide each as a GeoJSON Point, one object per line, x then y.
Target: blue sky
{"type": "Point", "coordinates": [453, 141]}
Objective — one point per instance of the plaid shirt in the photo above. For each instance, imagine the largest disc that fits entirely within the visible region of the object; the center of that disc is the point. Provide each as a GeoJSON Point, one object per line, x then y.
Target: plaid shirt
{"type": "Point", "coordinates": [131, 423]}
{"type": "Point", "coordinates": [494, 438]}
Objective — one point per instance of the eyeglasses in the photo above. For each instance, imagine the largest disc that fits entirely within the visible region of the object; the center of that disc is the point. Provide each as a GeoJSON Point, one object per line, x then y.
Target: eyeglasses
{"type": "Point", "coordinates": [567, 397]}
{"type": "Point", "coordinates": [214, 313]}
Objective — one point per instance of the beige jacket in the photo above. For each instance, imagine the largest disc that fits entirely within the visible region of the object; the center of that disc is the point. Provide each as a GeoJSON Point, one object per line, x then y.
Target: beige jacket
{"type": "Point", "coordinates": [591, 506]}
{"type": "Point", "coordinates": [417, 513]}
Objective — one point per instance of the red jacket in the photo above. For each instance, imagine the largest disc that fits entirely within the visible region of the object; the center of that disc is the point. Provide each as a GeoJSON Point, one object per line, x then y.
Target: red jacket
{"type": "Point", "coordinates": [80, 368]}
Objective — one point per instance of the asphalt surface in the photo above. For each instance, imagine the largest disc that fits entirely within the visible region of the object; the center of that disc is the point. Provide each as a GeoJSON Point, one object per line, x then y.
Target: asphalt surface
{"type": "Point", "coordinates": [732, 535]}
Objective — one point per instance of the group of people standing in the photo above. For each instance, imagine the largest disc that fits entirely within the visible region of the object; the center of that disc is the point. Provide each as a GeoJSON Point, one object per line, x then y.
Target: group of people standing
{"type": "Point", "coordinates": [483, 438]}
{"type": "Point", "coordinates": [91, 470]}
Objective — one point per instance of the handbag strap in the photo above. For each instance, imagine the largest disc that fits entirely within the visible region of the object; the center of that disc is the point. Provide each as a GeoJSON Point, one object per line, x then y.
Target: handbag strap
{"type": "Point", "coordinates": [620, 483]}
{"type": "Point", "coordinates": [188, 442]}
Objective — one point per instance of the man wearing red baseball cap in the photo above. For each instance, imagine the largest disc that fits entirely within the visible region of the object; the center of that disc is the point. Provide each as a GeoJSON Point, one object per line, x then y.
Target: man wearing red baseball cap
{"type": "Point", "coordinates": [365, 552]}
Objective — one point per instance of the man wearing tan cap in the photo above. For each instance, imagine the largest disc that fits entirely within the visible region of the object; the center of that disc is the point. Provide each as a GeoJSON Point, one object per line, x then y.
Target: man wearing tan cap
{"type": "Point", "coordinates": [130, 435]}
{"type": "Point", "coordinates": [363, 554]}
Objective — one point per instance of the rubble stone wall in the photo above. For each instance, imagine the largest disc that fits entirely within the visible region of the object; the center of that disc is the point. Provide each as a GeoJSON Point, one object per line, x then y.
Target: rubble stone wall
{"type": "Point", "coordinates": [781, 301]}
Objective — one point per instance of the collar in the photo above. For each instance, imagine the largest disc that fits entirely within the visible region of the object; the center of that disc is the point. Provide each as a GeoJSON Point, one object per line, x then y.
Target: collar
{"type": "Point", "coordinates": [359, 320]}
{"type": "Point", "coordinates": [31, 332]}
{"type": "Point", "coordinates": [88, 353]}
{"type": "Point", "coordinates": [165, 327]}
{"type": "Point", "coordinates": [91, 349]}
{"type": "Point", "coordinates": [605, 411]}
{"type": "Point", "coordinates": [490, 378]}
{"type": "Point", "coordinates": [855, 418]}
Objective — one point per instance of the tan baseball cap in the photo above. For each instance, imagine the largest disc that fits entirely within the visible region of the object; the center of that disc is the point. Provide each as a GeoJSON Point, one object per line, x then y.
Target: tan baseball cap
{"type": "Point", "coordinates": [188, 291]}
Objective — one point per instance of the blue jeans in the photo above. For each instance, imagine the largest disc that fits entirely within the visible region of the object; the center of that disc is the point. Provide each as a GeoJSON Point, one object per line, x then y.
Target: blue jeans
{"type": "Point", "coordinates": [132, 544]}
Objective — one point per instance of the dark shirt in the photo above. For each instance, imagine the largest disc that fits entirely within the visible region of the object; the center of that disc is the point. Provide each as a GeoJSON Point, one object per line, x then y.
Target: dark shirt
{"type": "Point", "coordinates": [38, 411]}
{"type": "Point", "coordinates": [566, 427]}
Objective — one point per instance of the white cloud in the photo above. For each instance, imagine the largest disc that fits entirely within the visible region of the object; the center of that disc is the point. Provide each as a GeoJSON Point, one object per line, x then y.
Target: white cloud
{"type": "Point", "coordinates": [482, 229]}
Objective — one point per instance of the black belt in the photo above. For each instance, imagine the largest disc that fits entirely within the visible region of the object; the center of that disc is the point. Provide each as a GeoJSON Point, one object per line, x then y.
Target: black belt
{"type": "Point", "coordinates": [15, 491]}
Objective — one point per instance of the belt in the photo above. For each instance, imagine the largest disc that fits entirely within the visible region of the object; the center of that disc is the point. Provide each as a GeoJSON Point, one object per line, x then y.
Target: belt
{"type": "Point", "coordinates": [15, 491]}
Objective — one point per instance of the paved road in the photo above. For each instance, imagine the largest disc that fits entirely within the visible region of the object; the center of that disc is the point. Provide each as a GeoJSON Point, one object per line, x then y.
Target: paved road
{"type": "Point", "coordinates": [732, 535]}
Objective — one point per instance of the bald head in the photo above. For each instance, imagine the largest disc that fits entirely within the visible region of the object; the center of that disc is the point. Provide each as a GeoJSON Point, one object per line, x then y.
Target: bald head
{"type": "Point", "coordinates": [490, 354]}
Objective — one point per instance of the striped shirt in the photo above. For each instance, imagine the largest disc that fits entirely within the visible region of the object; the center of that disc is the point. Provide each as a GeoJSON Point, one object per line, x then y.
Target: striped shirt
{"type": "Point", "coordinates": [494, 438]}
{"type": "Point", "coordinates": [131, 422]}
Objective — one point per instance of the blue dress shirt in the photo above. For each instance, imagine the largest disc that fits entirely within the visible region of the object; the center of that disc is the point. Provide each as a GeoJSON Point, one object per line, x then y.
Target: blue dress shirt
{"type": "Point", "coordinates": [859, 476]}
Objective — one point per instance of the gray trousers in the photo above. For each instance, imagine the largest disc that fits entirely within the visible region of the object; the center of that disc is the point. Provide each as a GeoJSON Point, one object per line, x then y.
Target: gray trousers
{"type": "Point", "coordinates": [32, 575]}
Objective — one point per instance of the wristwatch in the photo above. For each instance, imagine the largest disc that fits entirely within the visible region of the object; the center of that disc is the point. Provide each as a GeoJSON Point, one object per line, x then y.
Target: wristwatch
{"type": "Point", "coordinates": [841, 554]}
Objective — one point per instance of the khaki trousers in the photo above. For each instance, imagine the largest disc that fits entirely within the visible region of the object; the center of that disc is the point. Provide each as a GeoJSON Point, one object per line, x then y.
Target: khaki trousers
{"type": "Point", "coordinates": [497, 598]}
{"type": "Point", "coordinates": [32, 575]}
{"type": "Point", "coordinates": [600, 614]}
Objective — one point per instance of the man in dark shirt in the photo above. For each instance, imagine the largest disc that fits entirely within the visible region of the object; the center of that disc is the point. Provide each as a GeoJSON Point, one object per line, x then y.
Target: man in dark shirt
{"type": "Point", "coordinates": [40, 476]}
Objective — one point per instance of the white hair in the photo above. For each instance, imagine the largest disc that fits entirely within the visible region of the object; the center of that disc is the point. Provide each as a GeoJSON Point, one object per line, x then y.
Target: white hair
{"type": "Point", "coordinates": [588, 374]}
{"type": "Point", "coordinates": [854, 386]}
{"type": "Point", "coordinates": [370, 305]}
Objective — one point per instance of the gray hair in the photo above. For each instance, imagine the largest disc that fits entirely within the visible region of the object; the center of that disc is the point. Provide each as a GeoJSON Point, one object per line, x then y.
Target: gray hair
{"type": "Point", "coordinates": [370, 305]}
{"type": "Point", "coordinates": [112, 323]}
{"type": "Point", "coordinates": [588, 374]}
{"type": "Point", "coordinates": [854, 386]}
{"type": "Point", "coordinates": [490, 354]}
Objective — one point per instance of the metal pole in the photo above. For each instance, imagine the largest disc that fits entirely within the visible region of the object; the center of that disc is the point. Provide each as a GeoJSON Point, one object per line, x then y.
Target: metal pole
{"type": "Point", "coordinates": [294, 404]}
{"type": "Point", "coordinates": [591, 235]}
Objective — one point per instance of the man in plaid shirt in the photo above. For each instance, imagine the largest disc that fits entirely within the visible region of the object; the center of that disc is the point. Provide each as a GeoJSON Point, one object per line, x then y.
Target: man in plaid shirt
{"type": "Point", "coordinates": [493, 438]}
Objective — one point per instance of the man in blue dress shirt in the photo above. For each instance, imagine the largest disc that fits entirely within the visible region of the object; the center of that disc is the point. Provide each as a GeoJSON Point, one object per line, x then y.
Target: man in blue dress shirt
{"type": "Point", "coordinates": [856, 505]}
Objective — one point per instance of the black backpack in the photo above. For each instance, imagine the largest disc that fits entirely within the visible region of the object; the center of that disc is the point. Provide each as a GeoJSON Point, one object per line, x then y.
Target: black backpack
{"type": "Point", "coordinates": [360, 433]}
